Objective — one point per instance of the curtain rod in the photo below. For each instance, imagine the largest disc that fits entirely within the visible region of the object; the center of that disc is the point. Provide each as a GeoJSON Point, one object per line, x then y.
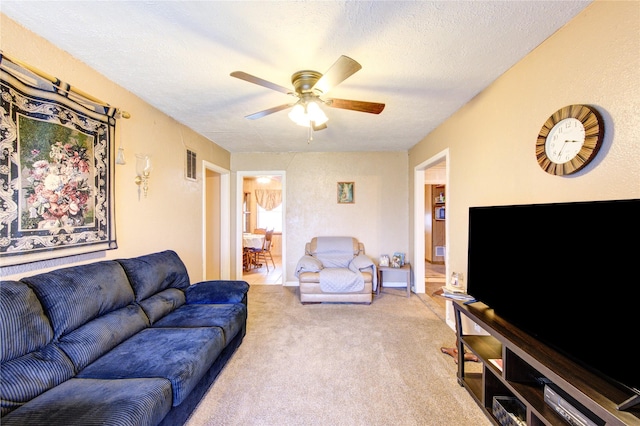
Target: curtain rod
{"type": "Point", "coordinates": [119, 113]}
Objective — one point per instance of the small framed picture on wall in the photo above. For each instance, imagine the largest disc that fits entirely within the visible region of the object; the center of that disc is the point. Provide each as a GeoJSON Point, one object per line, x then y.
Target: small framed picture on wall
{"type": "Point", "coordinates": [345, 192]}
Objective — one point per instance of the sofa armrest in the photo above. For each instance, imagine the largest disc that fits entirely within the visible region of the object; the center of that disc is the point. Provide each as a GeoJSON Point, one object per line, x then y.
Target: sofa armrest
{"type": "Point", "coordinates": [217, 291]}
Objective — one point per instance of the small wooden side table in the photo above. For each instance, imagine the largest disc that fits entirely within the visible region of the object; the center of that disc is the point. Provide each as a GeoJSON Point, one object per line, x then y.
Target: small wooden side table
{"type": "Point", "coordinates": [406, 268]}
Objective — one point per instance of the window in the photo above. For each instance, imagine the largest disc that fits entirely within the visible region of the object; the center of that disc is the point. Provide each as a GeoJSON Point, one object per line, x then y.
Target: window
{"type": "Point", "coordinates": [270, 219]}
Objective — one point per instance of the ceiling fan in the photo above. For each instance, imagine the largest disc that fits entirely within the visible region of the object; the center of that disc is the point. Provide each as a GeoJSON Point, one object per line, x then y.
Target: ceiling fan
{"type": "Point", "coordinates": [309, 87]}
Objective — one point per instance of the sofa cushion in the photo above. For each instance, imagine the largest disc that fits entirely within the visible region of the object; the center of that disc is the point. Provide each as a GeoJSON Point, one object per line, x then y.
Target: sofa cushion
{"type": "Point", "coordinates": [31, 364]}
{"type": "Point", "coordinates": [92, 340]}
{"type": "Point", "coordinates": [159, 305]}
{"type": "Point", "coordinates": [230, 317]}
{"type": "Point", "coordinates": [217, 291]}
{"type": "Point", "coordinates": [87, 402]}
{"type": "Point", "coordinates": [23, 325]}
{"type": "Point", "coordinates": [181, 355]}
{"type": "Point", "coordinates": [73, 296]}
{"type": "Point", "coordinates": [152, 273]}
{"type": "Point", "coordinates": [26, 377]}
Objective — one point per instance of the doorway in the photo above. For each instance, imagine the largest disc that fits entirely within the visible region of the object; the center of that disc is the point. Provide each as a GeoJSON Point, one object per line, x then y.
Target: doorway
{"type": "Point", "coordinates": [251, 216]}
{"type": "Point", "coordinates": [435, 220]}
{"type": "Point", "coordinates": [434, 171]}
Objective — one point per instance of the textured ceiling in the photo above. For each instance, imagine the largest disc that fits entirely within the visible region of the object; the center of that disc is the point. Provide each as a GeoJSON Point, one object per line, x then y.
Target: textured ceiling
{"type": "Point", "coordinates": [423, 59]}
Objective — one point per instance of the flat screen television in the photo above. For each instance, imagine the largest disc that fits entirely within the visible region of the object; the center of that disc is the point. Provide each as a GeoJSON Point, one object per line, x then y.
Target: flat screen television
{"type": "Point", "coordinates": [567, 274]}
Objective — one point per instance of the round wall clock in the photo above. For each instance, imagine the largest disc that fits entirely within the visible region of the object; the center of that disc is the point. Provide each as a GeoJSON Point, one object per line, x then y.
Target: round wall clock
{"type": "Point", "coordinates": [569, 139]}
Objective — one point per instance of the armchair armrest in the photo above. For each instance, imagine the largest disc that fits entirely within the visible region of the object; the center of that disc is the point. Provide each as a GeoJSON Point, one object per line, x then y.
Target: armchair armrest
{"type": "Point", "coordinates": [362, 262]}
{"type": "Point", "coordinates": [308, 264]}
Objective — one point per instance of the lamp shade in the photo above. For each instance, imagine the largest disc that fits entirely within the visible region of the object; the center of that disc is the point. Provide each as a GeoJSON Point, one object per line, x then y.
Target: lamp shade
{"type": "Point", "coordinates": [298, 115]}
{"type": "Point", "coordinates": [303, 113]}
{"type": "Point", "coordinates": [316, 114]}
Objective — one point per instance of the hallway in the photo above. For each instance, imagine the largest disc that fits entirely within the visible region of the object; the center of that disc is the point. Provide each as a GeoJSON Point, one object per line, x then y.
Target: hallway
{"type": "Point", "coordinates": [434, 279]}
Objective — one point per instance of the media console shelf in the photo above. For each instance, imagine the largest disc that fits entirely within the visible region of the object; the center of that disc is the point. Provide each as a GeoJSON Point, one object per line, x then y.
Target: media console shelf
{"type": "Point", "coordinates": [527, 364]}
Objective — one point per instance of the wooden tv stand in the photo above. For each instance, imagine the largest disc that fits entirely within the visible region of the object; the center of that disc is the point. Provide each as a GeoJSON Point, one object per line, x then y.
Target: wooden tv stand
{"type": "Point", "coordinates": [526, 365]}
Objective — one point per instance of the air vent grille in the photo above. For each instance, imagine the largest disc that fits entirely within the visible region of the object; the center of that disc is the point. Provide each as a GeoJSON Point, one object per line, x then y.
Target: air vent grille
{"type": "Point", "coordinates": [190, 166]}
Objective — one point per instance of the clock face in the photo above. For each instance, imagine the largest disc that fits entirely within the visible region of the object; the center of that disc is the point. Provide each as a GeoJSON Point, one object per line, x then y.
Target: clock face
{"type": "Point", "coordinates": [569, 139]}
{"type": "Point", "coordinates": [565, 140]}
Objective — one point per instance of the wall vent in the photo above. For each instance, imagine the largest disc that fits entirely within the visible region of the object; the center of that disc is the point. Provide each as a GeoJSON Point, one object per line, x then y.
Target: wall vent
{"type": "Point", "coordinates": [190, 166]}
{"type": "Point", "coordinates": [440, 251]}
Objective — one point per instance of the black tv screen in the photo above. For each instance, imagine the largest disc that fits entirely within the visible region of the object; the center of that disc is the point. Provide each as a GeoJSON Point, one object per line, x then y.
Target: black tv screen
{"type": "Point", "coordinates": [566, 273]}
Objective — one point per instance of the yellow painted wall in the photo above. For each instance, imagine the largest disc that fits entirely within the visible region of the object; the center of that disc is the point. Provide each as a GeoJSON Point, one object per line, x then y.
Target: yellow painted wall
{"type": "Point", "coordinates": [595, 60]}
{"type": "Point", "coordinates": [171, 216]}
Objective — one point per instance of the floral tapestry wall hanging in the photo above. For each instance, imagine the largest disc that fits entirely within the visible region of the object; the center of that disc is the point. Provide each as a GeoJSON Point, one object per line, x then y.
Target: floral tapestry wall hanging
{"type": "Point", "coordinates": [56, 171]}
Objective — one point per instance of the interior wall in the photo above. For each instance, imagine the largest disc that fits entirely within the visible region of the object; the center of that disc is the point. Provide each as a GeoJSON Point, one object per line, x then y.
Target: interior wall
{"type": "Point", "coordinates": [378, 217]}
{"type": "Point", "coordinates": [593, 60]}
{"type": "Point", "coordinates": [171, 216]}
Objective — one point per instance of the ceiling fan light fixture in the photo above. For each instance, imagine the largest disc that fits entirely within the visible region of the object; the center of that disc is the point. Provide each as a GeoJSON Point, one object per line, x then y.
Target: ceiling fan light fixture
{"type": "Point", "coordinates": [299, 116]}
{"type": "Point", "coordinates": [304, 113]}
{"type": "Point", "coordinates": [315, 114]}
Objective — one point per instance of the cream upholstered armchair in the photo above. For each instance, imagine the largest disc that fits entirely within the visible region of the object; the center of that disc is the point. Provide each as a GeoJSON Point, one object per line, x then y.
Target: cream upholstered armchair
{"type": "Point", "coordinates": [336, 269]}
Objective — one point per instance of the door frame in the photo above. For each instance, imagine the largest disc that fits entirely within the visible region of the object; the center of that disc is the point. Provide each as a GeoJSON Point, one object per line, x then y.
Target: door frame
{"type": "Point", "coordinates": [419, 221]}
{"type": "Point", "coordinates": [240, 175]}
{"type": "Point", "coordinates": [224, 231]}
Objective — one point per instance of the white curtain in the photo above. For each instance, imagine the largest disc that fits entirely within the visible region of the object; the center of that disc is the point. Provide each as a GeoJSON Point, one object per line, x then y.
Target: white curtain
{"type": "Point", "coordinates": [268, 199]}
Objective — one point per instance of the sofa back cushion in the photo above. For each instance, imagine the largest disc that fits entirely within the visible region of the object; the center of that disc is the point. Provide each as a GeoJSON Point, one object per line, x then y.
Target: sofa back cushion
{"type": "Point", "coordinates": [159, 305]}
{"type": "Point", "coordinates": [73, 296]}
{"type": "Point", "coordinates": [91, 308]}
{"type": "Point", "coordinates": [152, 273]}
{"type": "Point", "coordinates": [23, 326]}
{"type": "Point", "coordinates": [312, 246]}
{"type": "Point", "coordinates": [95, 338]}
{"type": "Point", "coordinates": [334, 252]}
{"type": "Point", "coordinates": [30, 362]}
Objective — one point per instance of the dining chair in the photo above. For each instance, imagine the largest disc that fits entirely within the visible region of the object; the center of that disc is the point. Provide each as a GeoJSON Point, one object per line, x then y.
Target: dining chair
{"type": "Point", "coordinates": [247, 259]}
{"type": "Point", "coordinates": [265, 253]}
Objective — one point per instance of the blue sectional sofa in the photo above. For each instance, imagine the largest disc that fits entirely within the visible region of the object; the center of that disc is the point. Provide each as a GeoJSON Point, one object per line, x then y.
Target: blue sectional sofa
{"type": "Point", "coordinates": [117, 342]}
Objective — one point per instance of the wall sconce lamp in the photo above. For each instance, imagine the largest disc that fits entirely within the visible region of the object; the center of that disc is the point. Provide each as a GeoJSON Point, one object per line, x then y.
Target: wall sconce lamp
{"type": "Point", "coordinates": [143, 170]}
{"type": "Point", "coordinates": [120, 156]}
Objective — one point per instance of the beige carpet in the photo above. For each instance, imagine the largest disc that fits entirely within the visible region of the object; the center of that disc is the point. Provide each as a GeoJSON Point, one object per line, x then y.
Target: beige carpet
{"type": "Point", "coordinates": [339, 364]}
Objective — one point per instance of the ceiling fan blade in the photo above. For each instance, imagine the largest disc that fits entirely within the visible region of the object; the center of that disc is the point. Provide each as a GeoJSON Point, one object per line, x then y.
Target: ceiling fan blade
{"type": "Point", "coordinates": [264, 83]}
{"type": "Point", "coordinates": [342, 69]}
{"type": "Point", "coordinates": [262, 113]}
{"type": "Point", "coordinates": [362, 106]}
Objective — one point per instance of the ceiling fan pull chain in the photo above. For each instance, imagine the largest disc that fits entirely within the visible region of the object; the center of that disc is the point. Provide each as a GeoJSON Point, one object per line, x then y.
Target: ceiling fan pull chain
{"type": "Point", "coordinates": [310, 138]}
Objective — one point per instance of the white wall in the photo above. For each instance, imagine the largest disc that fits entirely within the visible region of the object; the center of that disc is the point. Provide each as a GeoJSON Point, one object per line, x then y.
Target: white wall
{"type": "Point", "coordinates": [595, 60]}
{"type": "Point", "coordinates": [378, 218]}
